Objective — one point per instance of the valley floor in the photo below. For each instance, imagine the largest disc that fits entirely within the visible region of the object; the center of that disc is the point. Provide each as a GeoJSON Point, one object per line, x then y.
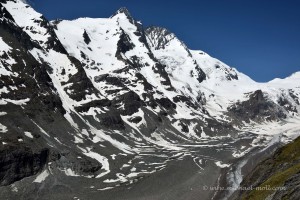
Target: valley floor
{"type": "Point", "coordinates": [194, 171]}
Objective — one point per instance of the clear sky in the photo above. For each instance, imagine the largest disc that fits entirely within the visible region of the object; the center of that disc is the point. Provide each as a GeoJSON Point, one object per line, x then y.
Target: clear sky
{"type": "Point", "coordinates": [260, 38]}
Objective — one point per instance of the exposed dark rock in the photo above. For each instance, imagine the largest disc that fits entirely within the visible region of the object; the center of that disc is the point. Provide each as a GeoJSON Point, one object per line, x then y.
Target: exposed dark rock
{"type": "Point", "coordinates": [185, 100]}
{"type": "Point", "coordinates": [201, 98]}
{"type": "Point", "coordinates": [131, 101]}
{"type": "Point", "coordinates": [142, 37]}
{"type": "Point", "coordinates": [135, 120]}
{"type": "Point", "coordinates": [111, 80]}
{"type": "Point", "coordinates": [184, 127]}
{"type": "Point", "coordinates": [100, 78]}
{"type": "Point", "coordinates": [166, 103]}
{"type": "Point", "coordinates": [161, 34]}
{"type": "Point", "coordinates": [287, 105]}
{"type": "Point", "coordinates": [257, 108]}
{"type": "Point", "coordinates": [294, 97]}
{"type": "Point", "coordinates": [87, 166]}
{"type": "Point", "coordinates": [160, 37]}
{"type": "Point", "coordinates": [83, 55]}
{"type": "Point", "coordinates": [15, 34]}
{"type": "Point", "coordinates": [18, 162]}
{"type": "Point", "coordinates": [201, 74]}
{"type": "Point", "coordinates": [112, 91]}
{"type": "Point", "coordinates": [86, 37]}
{"type": "Point", "coordinates": [81, 85]}
{"type": "Point", "coordinates": [52, 41]}
{"type": "Point", "coordinates": [4, 13]}
{"type": "Point", "coordinates": [135, 62]}
{"type": "Point", "coordinates": [125, 11]}
{"type": "Point", "coordinates": [33, 75]}
{"type": "Point", "coordinates": [160, 69]}
{"type": "Point", "coordinates": [124, 44]}
{"type": "Point", "coordinates": [112, 121]}
{"type": "Point", "coordinates": [220, 128]}
{"type": "Point", "coordinates": [96, 104]}
{"type": "Point", "coordinates": [147, 85]}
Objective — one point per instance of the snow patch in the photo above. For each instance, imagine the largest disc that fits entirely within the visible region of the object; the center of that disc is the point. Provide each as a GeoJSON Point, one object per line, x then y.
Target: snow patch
{"type": "Point", "coordinates": [3, 129]}
{"type": "Point", "coordinates": [28, 134]}
{"type": "Point", "coordinates": [3, 113]}
{"type": "Point", "coordinates": [41, 177]}
{"type": "Point", "coordinates": [222, 165]}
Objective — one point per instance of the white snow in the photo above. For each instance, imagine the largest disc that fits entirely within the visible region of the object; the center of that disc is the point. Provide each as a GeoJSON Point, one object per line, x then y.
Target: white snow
{"type": "Point", "coordinates": [41, 177]}
{"type": "Point", "coordinates": [28, 134]}
{"type": "Point", "coordinates": [222, 165]}
{"type": "Point", "coordinates": [4, 90]}
{"type": "Point", "coordinates": [113, 156]}
{"type": "Point", "coordinates": [3, 129]}
{"type": "Point", "coordinates": [3, 113]}
{"type": "Point", "coordinates": [104, 37]}
{"type": "Point", "coordinates": [14, 188]}
{"type": "Point", "coordinates": [16, 102]}
{"type": "Point", "coordinates": [107, 188]}
{"type": "Point", "coordinates": [25, 17]}
{"type": "Point", "coordinates": [3, 46]}
{"type": "Point", "coordinates": [78, 140]}
{"type": "Point", "coordinates": [70, 172]}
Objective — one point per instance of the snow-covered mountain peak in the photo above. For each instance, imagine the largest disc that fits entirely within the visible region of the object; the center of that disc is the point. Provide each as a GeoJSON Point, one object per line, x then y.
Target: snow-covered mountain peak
{"type": "Point", "coordinates": [123, 10]}
{"type": "Point", "coordinates": [123, 13]}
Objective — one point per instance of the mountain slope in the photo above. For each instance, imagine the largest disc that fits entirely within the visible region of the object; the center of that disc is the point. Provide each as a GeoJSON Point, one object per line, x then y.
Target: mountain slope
{"type": "Point", "coordinates": [110, 104]}
{"type": "Point", "coordinates": [279, 171]}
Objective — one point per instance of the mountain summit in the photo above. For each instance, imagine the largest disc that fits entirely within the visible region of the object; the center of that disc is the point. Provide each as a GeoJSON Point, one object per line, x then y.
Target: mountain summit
{"type": "Point", "coordinates": [125, 12]}
{"type": "Point", "coordinates": [118, 108]}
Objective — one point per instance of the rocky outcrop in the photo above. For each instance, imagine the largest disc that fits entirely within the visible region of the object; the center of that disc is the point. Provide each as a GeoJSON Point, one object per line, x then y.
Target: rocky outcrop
{"type": "Point", "coordinates": [124, 45]}
{"type": "Point", "coordinates": [160, 36]}
{"type": "Point", "coordinates": [131, 103]}
{"type": "Point", "coordinates": [18, 162]}
{"type": "Point", "coordinates": [86, 37]}
{"type": "Point", "coordinates": [257, 108]}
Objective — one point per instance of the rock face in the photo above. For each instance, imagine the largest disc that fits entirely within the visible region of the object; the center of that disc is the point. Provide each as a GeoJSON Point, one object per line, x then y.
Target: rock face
{"type": "Point", "coordinates": [107, 103]}
{"type": "Point", "coordinates": [18, 162]}
{"type": "Point", "coordinates": [257, 108]}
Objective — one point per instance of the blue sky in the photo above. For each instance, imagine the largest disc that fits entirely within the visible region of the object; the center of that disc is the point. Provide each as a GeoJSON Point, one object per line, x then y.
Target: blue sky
{"type": "Point", "coordinates": [260, 38]}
